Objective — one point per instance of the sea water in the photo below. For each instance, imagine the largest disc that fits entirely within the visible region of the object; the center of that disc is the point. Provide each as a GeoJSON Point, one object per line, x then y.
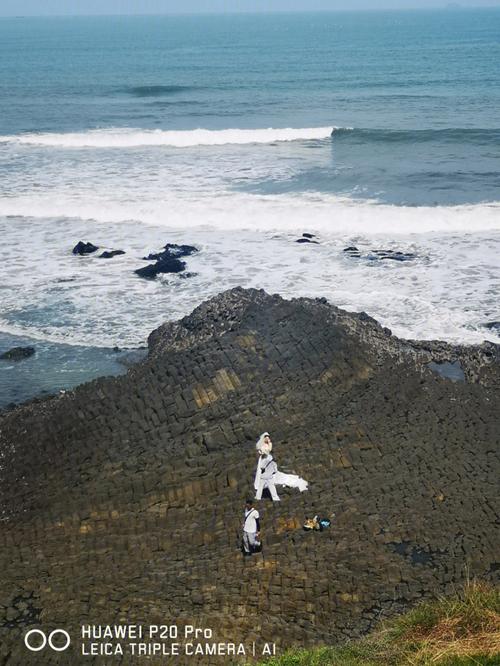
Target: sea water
{"type": "Point", "coordinates": [237, 134]}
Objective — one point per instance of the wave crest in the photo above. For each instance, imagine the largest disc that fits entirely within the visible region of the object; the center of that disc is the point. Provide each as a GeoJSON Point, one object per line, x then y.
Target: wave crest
{"type": "Point", "coordinates": [130, 138]}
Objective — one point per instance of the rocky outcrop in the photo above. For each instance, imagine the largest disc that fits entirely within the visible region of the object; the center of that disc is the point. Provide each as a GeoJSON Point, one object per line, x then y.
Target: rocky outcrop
{"type": "Point", "coordinates": [109, 254]}
{"type": "Point", "coordinates": [167, 261]}
{"type": "Point", "coordinates": [17, 353]}
{"type": "Point", "coordinates": [84, 248]}
{"type": "Point", "coordinates": [121, 500]}
{"type": "Point", "coordinates": [379, 255]}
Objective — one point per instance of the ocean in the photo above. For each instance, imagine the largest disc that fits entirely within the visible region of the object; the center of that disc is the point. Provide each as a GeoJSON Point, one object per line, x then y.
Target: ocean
{"type": "Point", "coordinates": [238, 134]}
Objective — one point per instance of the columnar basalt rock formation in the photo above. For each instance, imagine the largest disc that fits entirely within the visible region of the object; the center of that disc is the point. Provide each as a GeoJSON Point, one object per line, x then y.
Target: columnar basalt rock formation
{"type": "Point", "coordinates": [121, 501]}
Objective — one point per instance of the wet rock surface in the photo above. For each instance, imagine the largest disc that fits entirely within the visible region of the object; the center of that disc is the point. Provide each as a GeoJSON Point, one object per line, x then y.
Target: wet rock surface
{"type": "Point", "coordinates": [121, 500]}
{"type": "Point", "coordinates": [307, 238]}
{"type": "Point", "coordinates": [109, 254]}
{"type": "Point", "coordinates": [84, 248]}
{"type": "Point", "coordinates": [379, 255]}
{"type": "Point", "coordinates": [493, 326]}
{"type": "Point", "coordinates": [17, 353]}
{"type": "Point", "coordinates": [167, 261]}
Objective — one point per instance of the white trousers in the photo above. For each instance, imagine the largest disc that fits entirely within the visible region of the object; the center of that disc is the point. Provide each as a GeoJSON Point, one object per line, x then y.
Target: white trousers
{"type": "Point", "coordinates": [249, 541]}
{"type": "Point", "coordinates": [267, 483]}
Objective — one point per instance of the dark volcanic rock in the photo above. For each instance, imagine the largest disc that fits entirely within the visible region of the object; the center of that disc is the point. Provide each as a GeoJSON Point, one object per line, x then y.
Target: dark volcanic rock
{"type": "Point", "coordinates": [17, 353]}
{"type": "Point", "coordinates": [171, 250]}
{"type": "Point", "coordinates": [392, 254]}
{"type": "Point", "coordinates": [167, 261]}
{"type": "Point", "coordinates": [84, 248]}
{"type": "Point", "coordinates": [493, 326]}
{"type": "Point", "coordinates": [180, 250]}
{"type": "Point", "coordinates": [109, 254]}
{"type": "Point", "coordinates": [306, 240]}
{"type": "Point", "coordinates": [123, 497]}
{"type": "Point", "coordinates": [379, 255]}
{"type": "Point", "coordinates": [168, 265]}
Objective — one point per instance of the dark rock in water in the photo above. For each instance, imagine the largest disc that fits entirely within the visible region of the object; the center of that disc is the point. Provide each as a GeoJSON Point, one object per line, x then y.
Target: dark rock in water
{"type": "Point", "coordinates": [306, 240]}
{"type": "Point", "coordinates": [180, 250]}
{"type": "Point", "coordinates": [167, 261]}
{"type": "Point", "coordinates": [109, 254]}
{"type": "Point", "coordinates": [17, 353]}
{"type": "Point", "coordinates": [168, 265]}
{"type": "Point", "coordinates": [171, 251]}
{"type": "Point", "coordinates": [379, 255]}
{"type": "Point", "coordinates": [395, 256]}
{"type": "Point", "coordinates": [352, 251]}
{"type": "Point", "coordinates": [84, 248]}
{"type": "Point", "coordinates": [131, 487]}
{"type": "Point", "coordinates": [307, 235]}
{"type": "Point", "coordinates": [493, 326]}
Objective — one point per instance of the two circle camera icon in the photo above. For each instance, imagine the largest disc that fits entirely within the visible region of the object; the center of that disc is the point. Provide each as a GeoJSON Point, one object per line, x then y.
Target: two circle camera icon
{"type": "Point", "coordinates": [35, 645]}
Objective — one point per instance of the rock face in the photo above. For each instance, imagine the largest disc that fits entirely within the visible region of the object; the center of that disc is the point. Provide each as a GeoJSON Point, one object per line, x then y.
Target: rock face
{"type": "Point", "coordinates": [84, 248]}
{"type": "Point", "coordinates": [109, 254]}
{"type": "Point", "coordinates": [17, 353]}
{"type": "Point", "coordinates": [121, 500]}
{"type": "Point", "coordinates": [167, 261]}
{"type": "Point", "coordinates": [379, 255]}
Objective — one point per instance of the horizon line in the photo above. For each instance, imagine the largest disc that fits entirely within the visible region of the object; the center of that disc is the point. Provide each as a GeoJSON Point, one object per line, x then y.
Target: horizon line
{"type": "Point", "coordinates": [444, 8]}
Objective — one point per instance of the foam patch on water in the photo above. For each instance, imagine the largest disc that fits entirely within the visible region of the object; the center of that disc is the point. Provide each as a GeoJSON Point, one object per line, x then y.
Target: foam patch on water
{"type": "Point", "coordinates": [138, 199]}
{"type": "Point", "coordinates": [130, 138]}
{"type": "Point", "coordinates": [285, 213]}
{"type": "Point", "coordinates": [51, 294]}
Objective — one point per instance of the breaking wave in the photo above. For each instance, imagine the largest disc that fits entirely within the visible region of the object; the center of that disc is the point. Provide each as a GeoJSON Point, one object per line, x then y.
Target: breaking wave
{"type": "Point", "coordinates": [130, 138]}
{"type": "Point", "coordinates": [286, 213]}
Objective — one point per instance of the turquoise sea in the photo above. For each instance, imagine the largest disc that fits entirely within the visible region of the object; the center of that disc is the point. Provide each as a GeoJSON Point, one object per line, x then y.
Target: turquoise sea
{"type": "Point", "coordinates": [238, 133]}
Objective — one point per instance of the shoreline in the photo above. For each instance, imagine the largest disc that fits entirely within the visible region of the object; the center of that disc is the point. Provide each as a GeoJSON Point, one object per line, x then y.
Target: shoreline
{"type": "Point", "coordinates": [152, 466]}
{"type": "Point", "coordinates": [66, 367]}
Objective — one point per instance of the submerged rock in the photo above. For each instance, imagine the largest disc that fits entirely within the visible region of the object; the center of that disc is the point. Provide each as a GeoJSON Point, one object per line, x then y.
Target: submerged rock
{"type": "Point", "coordinates": [172, 251]}
{"type": "Point", "coordinates": [109, 254]}
{"type": "Point", "coordinates": [167, 261]}
{"type": "Point", "coordinates": [17, 353]}
{"type": "Point", "coordinates": [164, 265]}
{"type": "Point", "coordinates": [493, 326]}
{"type": "Point", "coordinates": [307, 239]}
{"type": "Point", "coordinates": [379, 255]}
{"type": "Point", "coordinates": [84, 248]}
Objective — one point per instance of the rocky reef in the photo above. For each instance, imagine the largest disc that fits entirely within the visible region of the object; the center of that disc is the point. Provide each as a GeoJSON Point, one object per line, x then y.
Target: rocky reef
{"type": "Point", "coordinates": [121, 500]}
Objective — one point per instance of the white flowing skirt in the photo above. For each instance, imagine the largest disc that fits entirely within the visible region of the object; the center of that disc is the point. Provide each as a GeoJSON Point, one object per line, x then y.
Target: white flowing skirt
{"type": "Point", "coordinates": [282, 479]}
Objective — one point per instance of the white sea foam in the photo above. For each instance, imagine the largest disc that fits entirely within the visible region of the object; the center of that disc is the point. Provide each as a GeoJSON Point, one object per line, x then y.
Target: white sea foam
{"type": "Point", "coordinates": [284, 213]}
{"type": "Point", "coordinates": [130, 138]}
{"type": "Point", "coordinates": [224, 200]}
{"type": "Point", "coordinates": [50, 294]}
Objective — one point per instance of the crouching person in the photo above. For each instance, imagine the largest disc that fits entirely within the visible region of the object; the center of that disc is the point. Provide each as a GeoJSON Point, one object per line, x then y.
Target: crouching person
{"type": "Point", "coordinates": [251, 528]}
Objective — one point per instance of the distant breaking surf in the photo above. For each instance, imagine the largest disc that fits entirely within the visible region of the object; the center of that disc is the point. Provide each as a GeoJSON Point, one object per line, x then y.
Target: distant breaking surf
{"type": "Point", "coordinates": [130, 138]}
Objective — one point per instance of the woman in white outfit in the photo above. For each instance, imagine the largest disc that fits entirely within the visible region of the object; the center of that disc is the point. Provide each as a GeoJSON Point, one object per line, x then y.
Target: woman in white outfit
{"type": "Point", "coordinates": [267, 474]}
